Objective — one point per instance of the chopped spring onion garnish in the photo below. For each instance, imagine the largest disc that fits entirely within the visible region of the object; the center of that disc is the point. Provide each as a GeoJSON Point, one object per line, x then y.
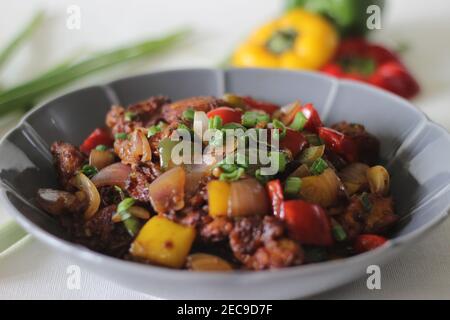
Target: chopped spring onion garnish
{"type": "Point", "coordinates": [130, 222]}
{"type": "Point", "coordinates": [299, 122]}
{"type": "Point", "coordinates": [121, 136]}
{"type": "Point", "coordinates": [313, 139]}
{"type": "Point", "coordinates": [261, 178]}
{"type": "Point", "coordinates": [151, 131]}
{"type": "Point", "coordinates": [89, 171]}
{"type": "Point", "coordinates": [281, 132]}
{"type": "Point", "coordinates": [101, 147]}
{"type": "Point", "coordinates": [318, 166]}
{"type": "Point", "coordinates": [129, 116]}
{"type": "Point", "coordinates": [280, 160]}
{"type": "Point", "coordinates": [338, 231]}
{"type": "Point", "coordinates": [365, 201]}
{"type": "Point", "coordinates": [125, 204]}
{"type": "Point", "coordinates": [292, 186]}
{"type": "Point", "coordinates": [188, 114]}
{"type": "Point", "coordinates": [232, 176]}
{"type": "Point", "coordinates": [252, 118]}
{"type": "Point", "coordinates": [215, 123]}
{"type": "Point", "coordinates": [233, 125]}
{"type": "Point", "coordinates": [120, 192]}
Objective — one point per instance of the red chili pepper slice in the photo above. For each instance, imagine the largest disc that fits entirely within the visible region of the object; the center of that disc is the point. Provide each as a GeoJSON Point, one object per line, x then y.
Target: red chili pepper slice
{"type": "Point", "coordinates": [294, 141]}
{"type": "Point", "coordinates": [339, 143]}
{"type": "Point", "coordinates": [97, 137]}
{"type": "Point", "coordinates": [260, 105]}
{"type": "Point", "coordinates": [367, 242]}
{"type": "Point", "coordinates": [308, 223]}
{"type": "Point", "coordinates": [275, 191]}
{"type": "Point", "coordinates": [226, 114]}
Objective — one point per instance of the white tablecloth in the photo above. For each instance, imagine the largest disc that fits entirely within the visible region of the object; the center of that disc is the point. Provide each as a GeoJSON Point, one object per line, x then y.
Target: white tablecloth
{"type": "Point", "coordinates": [29, 270]}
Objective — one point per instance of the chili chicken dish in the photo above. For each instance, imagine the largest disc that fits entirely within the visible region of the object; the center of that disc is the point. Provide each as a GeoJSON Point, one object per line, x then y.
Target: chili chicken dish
{"type": "Point", "coordinates": [286, 191]}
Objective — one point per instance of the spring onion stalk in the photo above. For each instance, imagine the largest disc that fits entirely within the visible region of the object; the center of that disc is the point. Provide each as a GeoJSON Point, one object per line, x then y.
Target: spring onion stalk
{"type": "Point", "coordinates": [292, 186]}
{"type": "Point", "coordinates": [10, 233]}
{"type": "Point", "coordinates": [26, 32]}
{"type": "Point", "coordinates": [28, 92]}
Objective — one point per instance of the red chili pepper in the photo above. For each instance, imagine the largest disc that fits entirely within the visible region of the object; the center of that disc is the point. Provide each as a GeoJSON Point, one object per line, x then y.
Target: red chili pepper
{"type": "Point", "coordinates": [367, 242]}
{"type": "Point", "coordinates": [339, 143]}
{"type": "Point", "coordinates": [260, 105]}
{"type": "Point", "coordinates": [97, 137]}
{"type": "Point", "coordinates": [294, 141]}
{"type": "Point", "coordinates": [308, 223]}
{"type": "Point", "coordinates": [227, 114]}
{"type": "Point", "coordinates": [357, 59]}
{"type": "Point", "coordinates": [275, 192]}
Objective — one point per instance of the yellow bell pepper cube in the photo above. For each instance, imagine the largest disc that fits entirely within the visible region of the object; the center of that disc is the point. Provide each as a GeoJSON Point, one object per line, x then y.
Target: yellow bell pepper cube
{"type": "Point", "coordinates": [218, 195]}
{"type": "Point", "coordinates": [164, 242]}
{"type": "Point", "coordinates": [297, 40]}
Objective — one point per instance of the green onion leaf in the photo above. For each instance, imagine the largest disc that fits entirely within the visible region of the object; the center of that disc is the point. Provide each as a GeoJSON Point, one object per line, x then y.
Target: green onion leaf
{"type": "Point", "coordinates": [125, 204]}
{"type": "Point", "coordinates": [299, 122]}
{"type": "Point", "coordinates": [129, 116]}
{"type": "Point", "coordinates": [215, 123]}
{"type": "Point", "coordinates": [89, 171]}
{"type": "Point", "coordinates": [101, 147]}
{"type": "Point", "coordinates": [277, 124]}
{"type": "Point", "coordinates": [313, 139]}
{"type": "Point", "coordinates": [151, 131]}
{"type": "Point", "coordinates": [121, 136]}
{"type": "Point", "coordinates": [261, 178]}
{"type": "Point", "coordinates": [318, 166]}
{"type": "Point", "coordinates": [120, 192]}
{"type": "Point", "coordinates": [280, 160]}
{"type": "Point", "coordinates": [249, 119]}
{"type": "Point", "coordinates": [338, 231]}
{"type": "Point", "coordinates": [365, 201]}
{"type": "Point", "coordinates": [232, 176]}
{"type": "Point", "coordinates": [132, 225]}
{"type": "Point", "coordinates": [233, 125]}
{"type": "Point", "coordinates": [292, 186]}
{"type": "Point", "coordinates": [188, 114]}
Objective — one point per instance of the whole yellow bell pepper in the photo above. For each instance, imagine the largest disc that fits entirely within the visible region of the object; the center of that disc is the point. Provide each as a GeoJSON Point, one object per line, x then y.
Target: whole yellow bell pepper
{"type": "Point", "coordinates": [297, 40]}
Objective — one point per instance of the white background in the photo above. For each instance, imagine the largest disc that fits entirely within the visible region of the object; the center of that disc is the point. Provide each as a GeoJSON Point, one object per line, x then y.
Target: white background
{"type": "Point", "coordinates": [31, 271]}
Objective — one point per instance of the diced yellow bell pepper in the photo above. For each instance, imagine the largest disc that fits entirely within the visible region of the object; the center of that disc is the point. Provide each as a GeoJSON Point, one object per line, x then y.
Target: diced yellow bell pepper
{"type": "Point", "coordinates": [218, 195]}
{"type": "Point", "coordinates": [164, 242]}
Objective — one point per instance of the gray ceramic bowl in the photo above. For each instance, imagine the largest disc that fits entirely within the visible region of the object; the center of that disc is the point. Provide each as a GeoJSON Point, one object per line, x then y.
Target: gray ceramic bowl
{"type": "Point", "coordinates": [416, 151]}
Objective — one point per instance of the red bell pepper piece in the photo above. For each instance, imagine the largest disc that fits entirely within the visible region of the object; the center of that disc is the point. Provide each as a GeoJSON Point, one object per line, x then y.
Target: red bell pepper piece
{"type": "Point", "coordinates": [260, 105]}
{"type": "Point", "coordinates": [367, 242]}
{"type": "Point", "coordinates": [97, 137]}
{"type": "Point", "coordinates": [275, 192]}
{"type": "Point", "coordinates": [357, 59]}
{"type": "Point", "coordinates": [339, 143]}
{"type": "Point", "coordinates": [294, 141]}
{"type": "Point", "coordinates": [308, 223]}
{"type": "Point", "coordinates": [227, 114]}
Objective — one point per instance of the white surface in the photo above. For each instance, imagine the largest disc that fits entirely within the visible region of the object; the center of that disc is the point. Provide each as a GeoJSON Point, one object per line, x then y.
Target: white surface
{"type": "Point", "coordinates": [31, 271]}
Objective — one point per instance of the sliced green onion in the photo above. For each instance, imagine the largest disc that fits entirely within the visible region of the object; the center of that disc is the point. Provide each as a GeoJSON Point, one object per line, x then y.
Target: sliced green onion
{"type": "Point", "coordinates": [125, 204]}
{"type": "Point", "coordinates": [292, 186]}
{"type": "Point", "coordinates": [120, 192]}
{"type": "Point", "coordinates": [318, 166]}
{"type": "Point", "coordinates": [313, 139]}
{"type": "Point", "coordinates": [25, 33]}
{"type": "Point", "coordinates": [261, 178]}
{"type": "Point", "coordinates": [228, 167]}
{"type": "Point", "coordinates": [188, 114]}
{"type": "Point", "coordinates": [151, 131]}
{"type": "Point", "coordinates": [277, 124]}
{"type": "Point", "coordinates": [132, 225]}
{"type": "Point", "coordinates": [129, 116]}
{"type": "Point", "coordinates": [262, 117]}
{"type": "Point", "coordinates": [233, 125]}
{"type": "Point", "coordinates": [299, 122]}
{"type": "Point", "coordinates": [232, 176]}
{"type": "Point", "coordinates": [365, 202]}
{"type": "Point", "coordinates": [121, 136]}
{"type": "Point", "coordinates": [249, 119]}
{"type": "Point", "coordinates": [338, 231]}
{"type": "Point", "coordinates": [280, 160]}
{"type": "Point", "coordinates": [215, 123]}
{"type": "Point", "coordinates": [89, 171]}
{"type": "Point", "coordinates": [101, 147]}
{"type": "Point", "coordinates": [311, 154]}
{"type": "Point", "coordinates": [27, 93]}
